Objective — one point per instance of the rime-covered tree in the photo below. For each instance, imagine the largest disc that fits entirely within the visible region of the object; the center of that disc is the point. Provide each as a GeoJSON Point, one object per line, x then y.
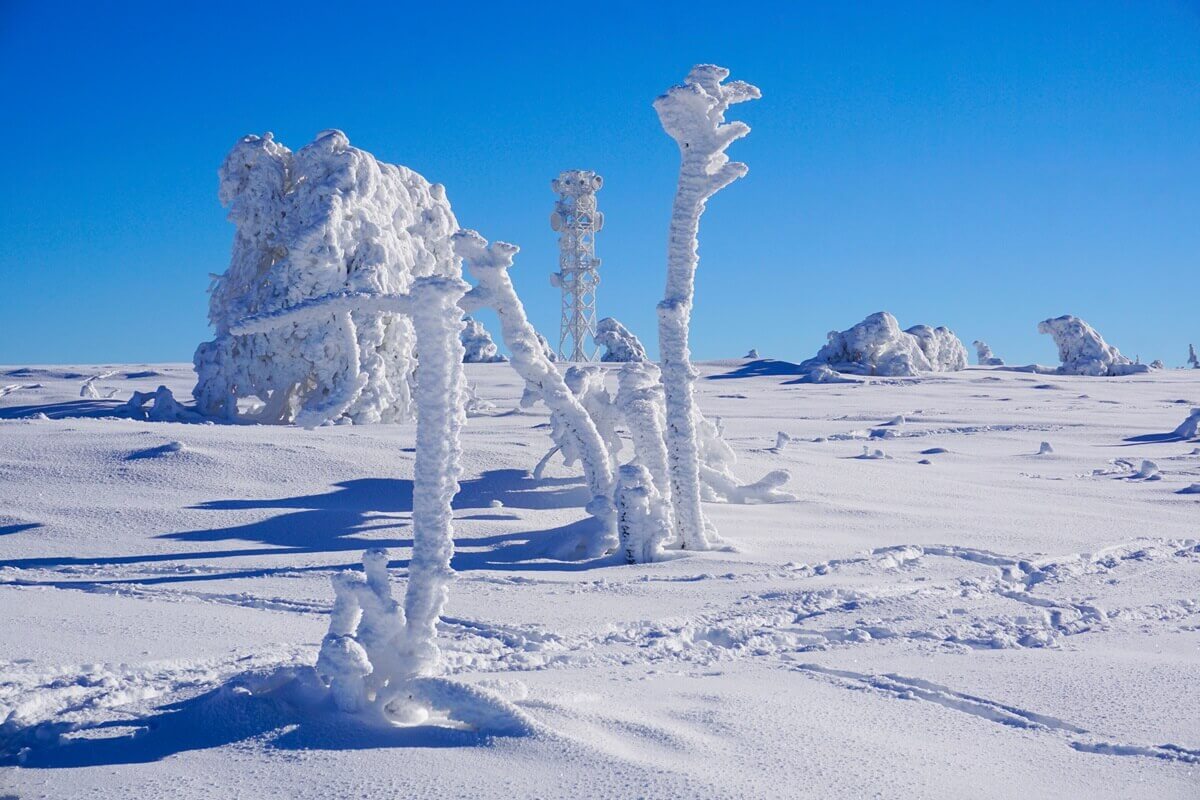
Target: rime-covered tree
{"type": "Point", "coordinates": [693, 114]}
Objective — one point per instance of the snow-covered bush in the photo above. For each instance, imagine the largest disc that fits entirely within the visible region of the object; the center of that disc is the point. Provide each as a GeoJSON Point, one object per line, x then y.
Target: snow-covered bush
{"type": "Point", "coordinates": [1193, 360]}
{"type": "Point", "coordinates": [693, 114]}
{"type": "Point", "coordinates": [877, 346]}
{"type": "Point", "coordinates": [1190, 427]}
{"type": "Point", "coordinates": [1083, 351]}
{"type": "Point", "coordinates": [643, 516]}
{"type": "Point", "coordinates": [478, 345]}
{"type": "Point", "coordinates": [328, 218]}
{"type": "Point", "coordinates": [374, 652]}
{"type": "Point", "coordinates": [1157, 364]}
{"type": "Point", "coordinates": [752, 353]}
{"type": "Point", "coordinates": [575, 433]}
{"type": "Point", "coordinates": [157, 406]}
{"type": "Point", "coordinates": [619, 343]}
{"type": "Point", "coordinates": [984, 355]}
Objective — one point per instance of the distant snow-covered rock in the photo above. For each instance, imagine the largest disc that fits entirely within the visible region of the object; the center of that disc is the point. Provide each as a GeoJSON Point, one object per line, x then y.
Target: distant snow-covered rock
{"type": "Point", "coordinates": [1083, 351]}
{"type": "Point", "coordinates": [478, 347]}
{"type": "Point", "coordinates": [619, 343]}
{"type": "Point", "coordinates": [877, 346]}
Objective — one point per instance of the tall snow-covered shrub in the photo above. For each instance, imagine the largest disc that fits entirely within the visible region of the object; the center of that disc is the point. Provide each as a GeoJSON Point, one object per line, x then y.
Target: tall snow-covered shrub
{"type": "Point", "coordinates": [327, 218]}
{"type": "Point", "coordinates": [576, 434]}
{"type": "Point", "coordinates": [693, 114]}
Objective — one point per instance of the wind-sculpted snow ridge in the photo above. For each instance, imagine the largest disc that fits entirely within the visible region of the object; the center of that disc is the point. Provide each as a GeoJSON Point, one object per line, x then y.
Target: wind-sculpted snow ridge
{"type": "Point", "coordinates": [985, 356]}
{"type": "Point", "coordinates": [1083, 351]}
{"type": "Point", "coordinates": [877, 346]}
{"type": "Point", "coordinates": [693, 114]}
{"type": "Point", "coordinates": [328, 218]}
{"type": "Point", "coordinates": [478, 345]}
{"type": "Point", "coordinates": [619, 343]}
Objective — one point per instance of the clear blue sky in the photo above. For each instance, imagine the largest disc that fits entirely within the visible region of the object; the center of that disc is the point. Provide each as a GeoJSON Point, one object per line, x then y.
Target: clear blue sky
{"type": "Point", "coordinates": [978, 165]}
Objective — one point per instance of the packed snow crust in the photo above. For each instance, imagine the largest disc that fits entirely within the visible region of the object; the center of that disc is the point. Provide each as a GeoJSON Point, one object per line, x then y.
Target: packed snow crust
{"type": "Point", "coordinates": [877, 346]}
{"type": "Point", "coordinates": [1083, 351]}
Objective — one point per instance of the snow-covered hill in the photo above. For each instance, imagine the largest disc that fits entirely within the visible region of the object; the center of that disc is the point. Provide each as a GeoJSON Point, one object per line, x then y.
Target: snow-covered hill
{"type": "Point", "coordinates": [943, 613]}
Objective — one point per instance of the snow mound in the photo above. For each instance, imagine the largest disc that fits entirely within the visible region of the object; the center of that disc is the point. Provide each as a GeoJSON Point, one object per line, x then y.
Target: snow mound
{"type": "Point", "coordinates": [620, 343]}
{"type": "Point", "coordinates": [1083, 351]}
{"type": "Point", "coordinates": [985, 356]}
{"type": "Point", "coordinates": [328, 218]}
{"type": "Point", "coordinates": [478, 344]}
{"type": "Point", "coordinates": [877, 346]}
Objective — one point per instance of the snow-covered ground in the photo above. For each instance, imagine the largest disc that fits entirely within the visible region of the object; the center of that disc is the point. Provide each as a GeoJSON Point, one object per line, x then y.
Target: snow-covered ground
{"type": "Point", "coordinates": [943, 613]}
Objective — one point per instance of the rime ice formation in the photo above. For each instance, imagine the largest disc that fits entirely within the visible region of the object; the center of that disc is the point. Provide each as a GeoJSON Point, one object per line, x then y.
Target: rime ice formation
{"type": "Point", "coordinates": [619, 343]}
{"type": "Point", "coordinates": [693, 114]}
{"type": "Point", "coordinates": [575, 432]}
{"type": "Point", "coordinates": [328, 218]}
{"type": "Point", "coordinates": [752, 354]}
{"type": "Point", "coordinates": [877, 346]}
{"type": "Point", "coordinates": [1190, 427]}
{"type": "Point", "coordinates": [478, 345]}
{"type": "Point", "coordinates": [643, 517]}
{"type": "Point", "coordinates": [1193, 360]}
{"type": "Point", "coordinates": [1083, 351]}
{"type": "Point", "coordinates": [374, 652]}
{"type": "Point", "coordinates": [162, 407]}
{"type": "Point", "coordinates": [1157, 364]}
{"type": "Point", "coordinates": [984, 355]}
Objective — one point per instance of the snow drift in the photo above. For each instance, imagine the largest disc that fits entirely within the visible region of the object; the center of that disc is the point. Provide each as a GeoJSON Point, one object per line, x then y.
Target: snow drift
{"type": "Point", "coordinates": [619, 343]}
{"type": "Point", "coordinates": [877, 346]}
{"type": "Point", "coordinates": [328, 218]}
{"type": "Point", "coordinates": [1083, 351]}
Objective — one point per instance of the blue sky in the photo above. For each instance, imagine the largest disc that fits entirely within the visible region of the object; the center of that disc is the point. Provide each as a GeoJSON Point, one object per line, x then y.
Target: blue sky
{"type": "Point", "coordinates": [977, 165]}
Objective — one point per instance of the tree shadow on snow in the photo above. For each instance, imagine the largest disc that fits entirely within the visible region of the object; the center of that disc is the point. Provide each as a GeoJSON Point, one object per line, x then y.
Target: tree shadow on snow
{"type": "Point", "coordinates": [289, 712]}
{"type": "Point", "coordinates": [334, 521]}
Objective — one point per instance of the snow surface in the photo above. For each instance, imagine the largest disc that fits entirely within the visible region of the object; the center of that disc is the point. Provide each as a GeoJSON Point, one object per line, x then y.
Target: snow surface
{"type": "Point", "coordinates": [877, 346]}
{"type": "Point", "coordinates": [989, 624]}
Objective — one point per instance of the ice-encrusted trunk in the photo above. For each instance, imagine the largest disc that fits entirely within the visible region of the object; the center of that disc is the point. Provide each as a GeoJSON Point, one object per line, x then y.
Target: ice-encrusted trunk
{"type": "Point", "coordinates": [693, 114]}
{"type": "Point", "coordinates": [440, 416]}
{"type": "Point", "coordinates": [489, 265]}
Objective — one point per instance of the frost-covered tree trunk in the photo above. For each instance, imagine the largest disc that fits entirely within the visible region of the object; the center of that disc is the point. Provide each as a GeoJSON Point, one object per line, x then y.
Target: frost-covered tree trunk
{"type": "Point", "coordinates": [581, 440]}
{"type": "Point", "coordinates": [440, 416]}
{"type": "Point", "coordinates": [693, 114]}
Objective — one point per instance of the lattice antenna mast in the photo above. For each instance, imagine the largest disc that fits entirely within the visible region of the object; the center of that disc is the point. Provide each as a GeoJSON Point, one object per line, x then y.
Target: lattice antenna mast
{"type": "Point", "coordinates": [577, 221]}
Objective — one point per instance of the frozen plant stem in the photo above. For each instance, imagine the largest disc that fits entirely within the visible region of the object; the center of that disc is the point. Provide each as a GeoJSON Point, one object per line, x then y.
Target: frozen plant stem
{"type": "Point", "coordinates": [693, 114]}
